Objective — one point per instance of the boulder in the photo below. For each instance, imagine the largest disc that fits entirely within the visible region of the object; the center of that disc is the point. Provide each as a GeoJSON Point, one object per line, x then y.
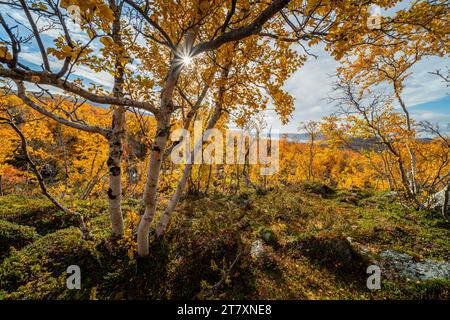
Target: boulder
{"type": "Point", "coordinates": [390, 194]}
{"type": "Point", "coordinates": [436, 201]}
{"type": "Point", "coordinates": [320, 189]}
{"type": "Point", "coordinates": [405, 266]}
{"type": "Point", "coordinates": [258, 250]}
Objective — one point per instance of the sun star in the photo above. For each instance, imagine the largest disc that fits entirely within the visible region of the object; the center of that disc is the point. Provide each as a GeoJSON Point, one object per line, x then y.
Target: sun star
{"type": "Point", "coordinates": [187, 60]}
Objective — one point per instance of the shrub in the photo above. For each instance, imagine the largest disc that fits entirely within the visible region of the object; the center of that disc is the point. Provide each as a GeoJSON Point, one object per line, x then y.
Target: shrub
{"type": "Point", "coordinates": [38, 270]}
{"type": "Point", "coordinates": [42, 214]}
{"type": "Point", "coordinates": [14, 235]}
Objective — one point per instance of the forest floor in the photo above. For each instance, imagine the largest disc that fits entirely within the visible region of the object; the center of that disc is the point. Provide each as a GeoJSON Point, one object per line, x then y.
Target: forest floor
{"type": "Point", "coordinates": [310, 236]}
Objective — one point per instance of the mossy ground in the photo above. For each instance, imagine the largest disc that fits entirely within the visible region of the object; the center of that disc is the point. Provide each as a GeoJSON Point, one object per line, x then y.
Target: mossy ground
{"type": "Point", "coordinates": [305, 228]}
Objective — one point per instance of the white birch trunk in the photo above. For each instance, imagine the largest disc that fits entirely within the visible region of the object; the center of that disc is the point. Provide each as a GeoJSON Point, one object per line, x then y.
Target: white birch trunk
{"type": "Point", "coordinates": [150, 193]}
{"type": "Point", "coordinates": [157, 155]}
{"type": "Point", "coordinates": [115, 176]}
{"type": "Point", "coordinates": [115, 141]}
{"type": "Point", "coordinates": [164, 221]}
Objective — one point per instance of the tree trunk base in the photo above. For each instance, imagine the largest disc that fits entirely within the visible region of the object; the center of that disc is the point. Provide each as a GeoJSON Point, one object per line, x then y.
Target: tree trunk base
{"type": "Point", "coordinates": [142, 265]}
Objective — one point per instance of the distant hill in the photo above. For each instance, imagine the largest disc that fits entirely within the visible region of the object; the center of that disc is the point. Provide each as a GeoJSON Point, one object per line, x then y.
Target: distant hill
{"type": "Point", "coordinates": [357, 143]}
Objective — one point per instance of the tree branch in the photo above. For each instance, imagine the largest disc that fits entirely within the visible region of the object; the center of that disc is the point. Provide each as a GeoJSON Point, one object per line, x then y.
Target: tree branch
{"type": "Point", "coordinates": [24, 145]}
{"type": "Point", "coordinates": [77, 125]}
{"type": "Point", "coordinates": [50, 79]}
{"type": "Point", "coordinates": [243, 32]}
{"type": "Point", "coordinates": [36, 35]}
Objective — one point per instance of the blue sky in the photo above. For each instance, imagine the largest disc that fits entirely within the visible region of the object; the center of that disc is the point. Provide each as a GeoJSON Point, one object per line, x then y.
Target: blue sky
{"type": "Point", "coordinates": [426, 95]}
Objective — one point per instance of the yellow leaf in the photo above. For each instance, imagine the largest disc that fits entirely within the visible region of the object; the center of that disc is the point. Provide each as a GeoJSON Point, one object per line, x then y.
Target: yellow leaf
{"type": "Point", "coordinates": [90, 33]}
{"type": "Point", "coordinates": [67, 50]}
{"type": "Point", "coordinates": [106, 41]}
{"type": "Point", "coordinates": [4, 54]}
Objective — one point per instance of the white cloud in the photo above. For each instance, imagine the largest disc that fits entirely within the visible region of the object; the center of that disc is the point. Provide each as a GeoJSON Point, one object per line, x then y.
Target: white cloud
{"type": "Point", "coordinates": [100, 78]}
{"type": "Point", "coordinates": [427, 115]}
{"type": "Point", "coordinates": [313, 83]}
{"type": "Point", "coordinates": [423, 87]}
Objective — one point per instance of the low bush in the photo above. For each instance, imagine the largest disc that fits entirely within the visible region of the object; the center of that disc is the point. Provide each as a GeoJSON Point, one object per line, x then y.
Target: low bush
{"type": "Point", "coordinates": [15, 236]}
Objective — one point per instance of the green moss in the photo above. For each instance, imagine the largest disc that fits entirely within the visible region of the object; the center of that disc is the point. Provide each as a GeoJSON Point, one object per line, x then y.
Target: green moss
{"type": "Point", "coordinates": [41, 214]}
{"type": "Point", "coordinates": [438, 289]}
{"type": "Point", "coordinates": [39, 270]}
{"type": "Point", "coordinates": [14, 235]}
{"type": "Point", "coordinates": [310, 256]}
{"type": "Point", "coordinates": [36, 212]}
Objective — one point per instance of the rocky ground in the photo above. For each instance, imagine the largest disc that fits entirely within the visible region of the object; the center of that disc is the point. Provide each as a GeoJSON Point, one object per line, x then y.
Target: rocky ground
{"type": "Point", "coordinates": [303, 242]}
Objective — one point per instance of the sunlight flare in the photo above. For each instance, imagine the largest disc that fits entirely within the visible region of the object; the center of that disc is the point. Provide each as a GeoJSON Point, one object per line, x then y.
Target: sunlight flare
{"type": "Point", "coordinates": [187, 60]}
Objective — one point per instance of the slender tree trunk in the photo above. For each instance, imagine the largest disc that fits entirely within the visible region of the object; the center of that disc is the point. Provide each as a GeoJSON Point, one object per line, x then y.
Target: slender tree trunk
{"type": "Point", "coordinates": [387, 172]}
{"type": "Point", "coordinates": [158, 149]}
{"type": "Point", "coordinates": [115, 170]}
{"type": "Point", "coordinates": [199, 178]}
{"type": "Point", "coordinates": [238, 179]}
{"type": "Point", "coordinates": [150, 193]}
{"type": "Point", "coordinates": [208, 182]}
{"type": "Point", "coordinates": [445, 210]}
{"type": "Point", "coordinates": [115, 139]}
{"type": "Point", "coordinates": [156, 157]}
{"type": "Point", "coordinates": [412, 156]}
{"type": "Point", "coordinates": [413, 182]}
{"type": "Point", "coordinates": [163, 222]}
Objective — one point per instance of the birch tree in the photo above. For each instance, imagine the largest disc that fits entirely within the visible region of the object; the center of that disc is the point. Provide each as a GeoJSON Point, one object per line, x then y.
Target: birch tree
{"type": "Point", "coordinates": [145, 47]}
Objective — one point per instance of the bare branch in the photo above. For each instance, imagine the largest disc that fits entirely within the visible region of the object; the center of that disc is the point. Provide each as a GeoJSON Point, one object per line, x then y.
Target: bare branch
{"type": "Point", "coordinates": [77, 125]}
{"type": "Point", "coordinates": [24, 145]}
{"type": "Point", "coordinates": [50, 79]}
{"type": "Point", "coordinates": [243, 32]}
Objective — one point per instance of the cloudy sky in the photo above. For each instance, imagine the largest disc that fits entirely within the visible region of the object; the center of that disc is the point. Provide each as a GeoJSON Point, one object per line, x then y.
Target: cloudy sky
{"type": "Point", "coordinates": [425, 94]}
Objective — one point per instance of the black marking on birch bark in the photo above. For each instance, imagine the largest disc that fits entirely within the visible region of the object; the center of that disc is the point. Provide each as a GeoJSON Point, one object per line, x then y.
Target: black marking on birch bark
{"type": "Point", "coordinates": [110, 162]}
{"type": "Point", "coordinates": [115, 154]}
{"type": "Point", "coordinates": [163, 132]}
{"type": "Point", "coordinates": [110, 194]}
{"type": "Point", "coordinates": [115, 171]}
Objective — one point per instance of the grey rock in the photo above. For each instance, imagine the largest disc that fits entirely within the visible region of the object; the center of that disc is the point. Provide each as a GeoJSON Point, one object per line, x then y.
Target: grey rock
{"type": "Point", "coordinates": [405, 265]}
{"type": "Point", "coordinates": [267, 236]}
{"type": "Point", "coordinates": [436, 201]}
{"type": "Point", "coordinates": [391, 194]}
{"type": "Point", "coordinates": [258, 250]}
